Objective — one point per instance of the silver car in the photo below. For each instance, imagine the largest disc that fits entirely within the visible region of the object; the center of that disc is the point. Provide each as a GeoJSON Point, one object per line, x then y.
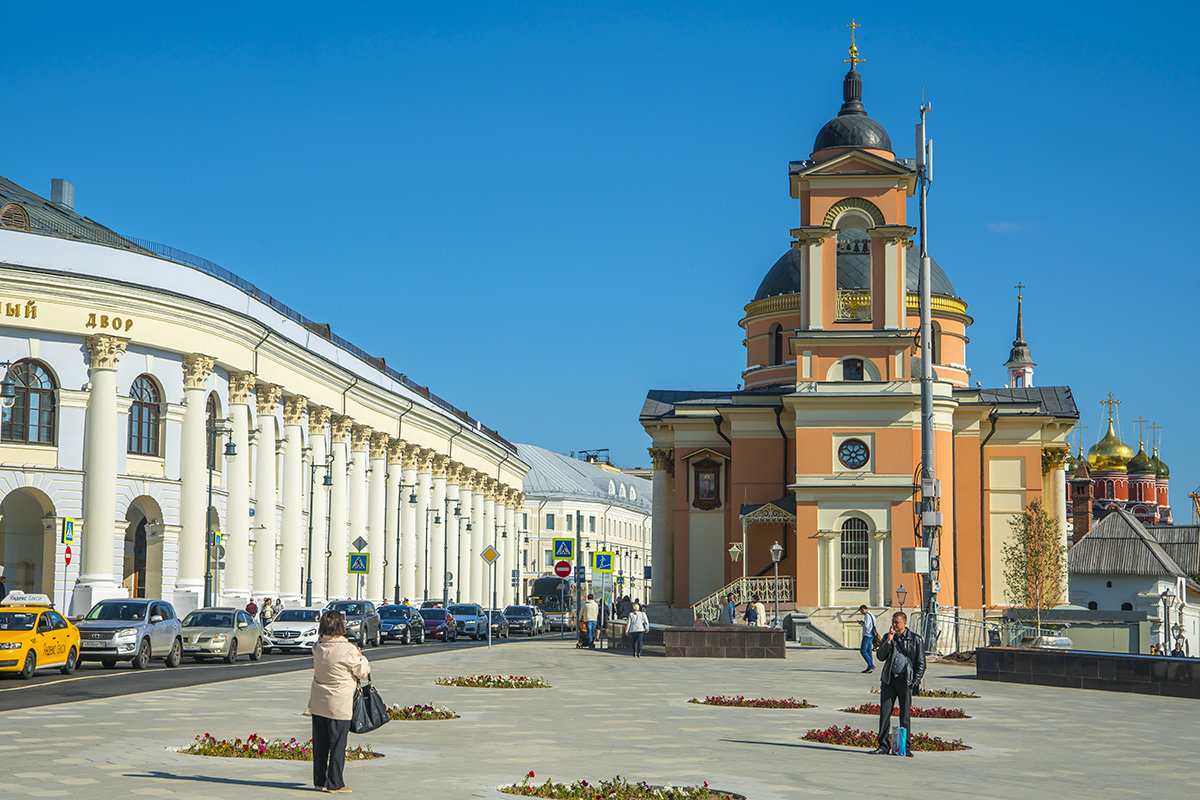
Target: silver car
{"type": "Point", "coordinates": [222, 632]}
{"type": "Point", "coordinates": [132, 629]}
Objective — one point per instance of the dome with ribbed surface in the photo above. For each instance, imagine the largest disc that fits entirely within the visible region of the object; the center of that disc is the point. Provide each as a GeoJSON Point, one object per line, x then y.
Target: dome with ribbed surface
{"type": "Point", "coordinates": [1110, 453]}
{"type": "Point", "coordinates": [852, 127]}
{"type": "Point", "coordinates": [1161, 470]}
{"type": "Point", "coordinates": [1141, 464]}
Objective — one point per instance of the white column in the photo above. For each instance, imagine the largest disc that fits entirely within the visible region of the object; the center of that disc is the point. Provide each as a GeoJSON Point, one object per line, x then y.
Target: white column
{"type": "Point", "coordinates": [424, 527]}
{"type": "Point", "coordinates": [264, 531]}
{"type": "Point", "coordinates": [478, 568]}
{"type": "Point", "coordinates": [291, 532]}
{"type": "Point", "coordinates": [510, 551]}
{"type": "Point", "coordinates": [662, 538]}
{"type": "Point", "coordinates": [391, 520]}
{"type": "Point", "coordinates": [193, 481]}
{"type": "Point", "coordinates": [338, 547]}
{"type": "Point", "coordinates": [879, 548]}
{"type": "Point", "coordinates": [437, 533]}
{"type": "Point", "coordinates": [488, 585]}
{"type": "Point", "coordinates": [828, 588]}
{"type": "Point", "coordinates": [408, 525]}
{"type": "Point", "coordinates": [376, 514]}
{"type": "Point", "coordinates": [234, 584]}
{"type": "Point", "coordinates": [466, 556]}
{"type": "Point", "coordinates": [315, 559]}
{"type": "Point", "coordinates": [96, 579]}
{"type": "Point", "coordinates": [360, 437]}
{"type": "Point", "coordinates": [451, 529]}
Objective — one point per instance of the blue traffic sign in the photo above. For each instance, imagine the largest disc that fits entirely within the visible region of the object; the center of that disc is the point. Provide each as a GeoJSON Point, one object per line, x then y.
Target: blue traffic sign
{"type": "Point", "coordinates": [579, 574]}
{"type": "Point", "coordinates": [564, 548]}
{"type": "Point", "coordinates": [602, 561]}
{"type": "Point", "coordinates": [359, 563]}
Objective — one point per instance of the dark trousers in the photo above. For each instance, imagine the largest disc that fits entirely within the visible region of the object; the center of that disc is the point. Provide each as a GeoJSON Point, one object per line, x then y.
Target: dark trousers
{"type": "Point", "coordinates": [329, 751]}
{"type": "Point", "coordinates": [890, 691]}
{"type": "Point", "coordinates": [636, 642]}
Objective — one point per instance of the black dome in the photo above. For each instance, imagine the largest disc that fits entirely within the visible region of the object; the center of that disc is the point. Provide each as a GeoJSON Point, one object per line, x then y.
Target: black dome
{"type": "Point", "coordinates": [852, 127]}
{"type": "Point", "coordinates": [853, 273]}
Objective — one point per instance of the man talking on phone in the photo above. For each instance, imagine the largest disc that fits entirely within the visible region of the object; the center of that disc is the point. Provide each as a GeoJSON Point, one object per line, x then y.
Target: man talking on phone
{"type": "Point", "coordinates": [902, 654]}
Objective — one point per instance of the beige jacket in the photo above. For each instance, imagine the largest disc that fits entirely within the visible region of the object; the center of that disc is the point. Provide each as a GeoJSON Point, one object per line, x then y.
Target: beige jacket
{"type": "Point", "coordinates": [337, 667]}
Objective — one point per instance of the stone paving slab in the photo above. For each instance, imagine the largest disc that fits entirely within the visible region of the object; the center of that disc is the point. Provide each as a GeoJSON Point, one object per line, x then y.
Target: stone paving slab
{"type": "Point", "coordinates": [611, 714]}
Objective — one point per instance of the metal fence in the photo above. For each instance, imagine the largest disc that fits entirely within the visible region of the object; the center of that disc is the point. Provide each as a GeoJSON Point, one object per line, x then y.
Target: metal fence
{"type": "Point", "coordinates": [956, 634]}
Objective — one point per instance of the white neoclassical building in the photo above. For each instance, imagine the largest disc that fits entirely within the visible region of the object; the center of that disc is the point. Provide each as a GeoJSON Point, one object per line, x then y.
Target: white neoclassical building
{"type": "Point", "coordinates": [175, 431]}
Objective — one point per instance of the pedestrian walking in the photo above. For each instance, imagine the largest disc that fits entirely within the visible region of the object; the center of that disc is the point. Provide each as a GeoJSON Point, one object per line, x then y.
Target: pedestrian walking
{"type": "Point", "coordinates": [639, 623]}
{"type": "Point", "coordinates": [338, 666]}
{"type": "Point", "coordinates": [751, 613]}
{"type": "Point", "coordinates": [277, 607]}
{"type": "Point", "coordinates": [728, 610]}
{"type": "Point", "coordinates": [868, 637]}
{"type": "Point", "coordinates": [591, 615]}
{"type": "Point", "coordinates": [252, 608]}
{"type": "Point", "coordinates": [760, 612]}
{"type": "Point", "coordinates": [902, 654]}
{"type": "Point", "coordinates": [624, 607]}
{"type": "Point", "coordinates": [267, 612]}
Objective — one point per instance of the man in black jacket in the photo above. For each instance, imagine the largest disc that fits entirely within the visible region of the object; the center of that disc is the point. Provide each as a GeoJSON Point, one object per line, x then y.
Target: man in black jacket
{"type": "Point", "coordinates": [902, 654]}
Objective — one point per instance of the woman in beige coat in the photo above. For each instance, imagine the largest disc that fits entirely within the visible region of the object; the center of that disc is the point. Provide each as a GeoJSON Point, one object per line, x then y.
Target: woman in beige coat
{"type": "Point", "coordinates": [338, 665]}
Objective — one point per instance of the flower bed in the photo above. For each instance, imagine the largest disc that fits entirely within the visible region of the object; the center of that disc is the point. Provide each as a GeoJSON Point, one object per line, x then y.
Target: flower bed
{"type": "Point", "coordinates": [941, 694]}
{"type": "Point", "coordinates": [852, 737]}
{"type": "Point", "coordinates": [419, 712]}
{"type": "Point", "coordinates": [256, 746]}
{"type": "Point", "coordinates": [617, 788]}
{"type": "Point", "coordinates": [494, 681]}
{"type": "Point", "coordinates": [937, 712]}
{"type": "Point", "coordinates": [752, 702]}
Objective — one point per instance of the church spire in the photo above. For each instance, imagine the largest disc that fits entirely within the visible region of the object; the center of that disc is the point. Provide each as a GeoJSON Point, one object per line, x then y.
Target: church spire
{"type": "Point", "coordinates": [1020, 362]}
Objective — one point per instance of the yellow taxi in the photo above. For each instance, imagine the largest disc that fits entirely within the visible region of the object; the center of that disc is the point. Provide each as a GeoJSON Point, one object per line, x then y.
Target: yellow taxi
{"type": "Point", "coordinates": [34, 636]}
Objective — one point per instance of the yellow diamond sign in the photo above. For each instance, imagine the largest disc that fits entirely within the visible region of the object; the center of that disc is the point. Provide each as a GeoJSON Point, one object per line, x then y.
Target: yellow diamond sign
{"type": "Point", "coordinates": [489, 554]}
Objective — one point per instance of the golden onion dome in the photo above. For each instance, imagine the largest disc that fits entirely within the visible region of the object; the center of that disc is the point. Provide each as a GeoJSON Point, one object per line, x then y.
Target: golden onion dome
{"type": "Point", "coordinates": [1110, 453]}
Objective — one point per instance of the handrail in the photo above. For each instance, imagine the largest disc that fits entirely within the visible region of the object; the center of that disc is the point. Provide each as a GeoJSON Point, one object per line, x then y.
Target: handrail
{"type": "Point", "coordinates": [745, 588]}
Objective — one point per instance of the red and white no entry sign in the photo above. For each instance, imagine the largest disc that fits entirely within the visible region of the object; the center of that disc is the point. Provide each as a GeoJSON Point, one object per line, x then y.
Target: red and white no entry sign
{"type": "Point", "coordinates": [562, 569]}
{"type": "Point", "coordinates": [67, 555]}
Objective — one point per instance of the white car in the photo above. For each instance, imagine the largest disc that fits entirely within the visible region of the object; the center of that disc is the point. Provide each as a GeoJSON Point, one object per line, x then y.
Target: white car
{"type": "Point", "coordinates": [293, 629]}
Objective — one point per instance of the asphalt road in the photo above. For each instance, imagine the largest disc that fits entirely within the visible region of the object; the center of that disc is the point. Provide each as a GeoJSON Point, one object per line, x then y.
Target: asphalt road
{"type": "Point", "coordinates": [92, 681]}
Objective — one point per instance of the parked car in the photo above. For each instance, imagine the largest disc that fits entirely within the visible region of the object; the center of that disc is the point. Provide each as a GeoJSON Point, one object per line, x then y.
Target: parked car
{"type": "Point", "coordinates": [522, 619]}
{"type": "Point", "coordinates": [433, 604]}
{"type": "Point", "coordinates": [222, 632]}
{"type": "Point", "coordinates": [469, 620]}
{"type": "Point", "coordinates": [402, 623]}
{"type": "Point", "coordinates": [439, 624]}
{"type": "Point", "coordinates": [363, 625]}
{"type": "Point", "coordinates": [293, 629]}
{"type": "Point", "coordinates": [34, 636]}
{"type": "Point", "coordinates": [499, 624]}
{"type": "Point", "coordinates": [132, 629]}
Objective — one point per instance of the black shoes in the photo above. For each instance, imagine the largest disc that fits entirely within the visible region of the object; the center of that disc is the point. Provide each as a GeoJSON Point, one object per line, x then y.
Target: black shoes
{"type": "Point", "coordinates": [868, 669]}
{"type": "Point", "coordinates": [880, 751]}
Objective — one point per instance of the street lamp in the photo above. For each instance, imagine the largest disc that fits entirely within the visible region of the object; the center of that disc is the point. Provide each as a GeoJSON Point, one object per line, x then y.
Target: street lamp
{"type": "Point", "coordinates": [901, 594]}
{"type": "Point", "coordinates": [327, 481]}
{"type": "Point", "coordinates": [446, 552]}
{"type": "Point", "coordinates": [215, 428]}
{"type": "Point", "coordinates": [776, 554]}
{"type": "Point", "coordinates": [8, 387]}
{"type": "Point", "coordinates": [399, 513]}
{"type": "Point", "coordinates": [503, 535]}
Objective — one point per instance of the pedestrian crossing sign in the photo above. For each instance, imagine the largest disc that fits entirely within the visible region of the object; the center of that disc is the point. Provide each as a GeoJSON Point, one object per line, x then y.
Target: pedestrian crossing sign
{"type": "Point", "coordinates": [602, 561]}
{"type": "Point", "coordinates": [564, 549]}
{"type": "Point", "coordinates": [359, 563]}
{"type": "Point", "coordinates": [68, 532]}
{"type": "Point", "coordinates": [620, 580]}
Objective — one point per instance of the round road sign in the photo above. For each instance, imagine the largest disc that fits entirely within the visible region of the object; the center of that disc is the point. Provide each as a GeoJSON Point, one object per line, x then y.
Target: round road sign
{"type": "Point", "coordinates": [67, 555]}
{"type": "Point", "coordinates": [562, 569]}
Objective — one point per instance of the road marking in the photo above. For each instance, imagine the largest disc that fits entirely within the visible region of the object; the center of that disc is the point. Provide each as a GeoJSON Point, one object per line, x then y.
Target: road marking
{"type": "Point", "coordinates": [129, 673]}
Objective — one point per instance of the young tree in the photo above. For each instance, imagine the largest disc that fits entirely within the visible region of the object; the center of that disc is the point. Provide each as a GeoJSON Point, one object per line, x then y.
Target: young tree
{"type": "Point", "coordinates": [1035, 561]}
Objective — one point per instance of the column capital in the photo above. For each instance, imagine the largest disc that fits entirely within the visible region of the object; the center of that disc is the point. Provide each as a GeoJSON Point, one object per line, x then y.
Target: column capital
{"type": "Point", "coordinates": [438, 465]}
{"type": "Point", "coordinates": [379, 444]}
{"type": "Point", "coordinates": [454, 472]}
{"type": "Point", "coordinates": [1054, 458]}
{"type": "Point", "coordinates": [240, 385]}
{"type": "Point", "coordinates": [828, 536]}
{"type": "Point", "coordinates": [105, 351]}
{"type": "Point", "coordinates": [340, 424]}
{"type": "Point", "coordinates": [664, 458]}
{"type": "Point", "coordinates": [294, 408]}
{"type": "Point", "coordinates": [424, 458]}
{"type": "Point", "coordinates": [318, 419]}
{"type": "Point", "coordinates": [395, 451]}
{"type": "Point", "coordinates": [196, 369]}
{"type": "Point", "coordinates": [360, 437]}
{"type": "Point", "coordinates": [266, 397]}
{"type": "Point", "coordinates": [880, 536]}
{"type": "Point", "coordinates": [410, 454]}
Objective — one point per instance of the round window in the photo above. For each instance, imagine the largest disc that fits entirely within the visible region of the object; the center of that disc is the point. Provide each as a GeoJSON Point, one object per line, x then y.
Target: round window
{"type": "Point", "coordinates": [853, 453]}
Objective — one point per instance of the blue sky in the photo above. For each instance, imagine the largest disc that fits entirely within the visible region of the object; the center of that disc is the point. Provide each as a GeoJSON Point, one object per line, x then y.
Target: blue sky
{"type": "Point", "coordinates": [542, 210]}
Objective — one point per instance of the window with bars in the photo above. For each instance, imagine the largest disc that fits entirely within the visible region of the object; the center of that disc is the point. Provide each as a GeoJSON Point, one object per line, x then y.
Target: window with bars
{"type": "Point", "coordinates": [852, 369]}
{"type": "Point", "coordinates": [856, 555]}
{"type": "Point", "coordinates": [31, 418]}
{"type": "Point", "coordinates": [145, 417]}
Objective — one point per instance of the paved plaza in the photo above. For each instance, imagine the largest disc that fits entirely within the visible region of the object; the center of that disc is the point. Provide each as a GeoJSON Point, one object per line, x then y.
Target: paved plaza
{"type": "Point", "coordinates": [609, 714]}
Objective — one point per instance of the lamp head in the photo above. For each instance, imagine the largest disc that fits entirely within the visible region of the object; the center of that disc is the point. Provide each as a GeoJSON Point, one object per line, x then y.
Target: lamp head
{"type": "Point", "coordinates": [327, 480]}
{"type": "Point", "coordinates": [437, 519]}
{"type": "Point", "coordinates": [412, 499]}
{"type": "Point", "coordinates": [776, 552]}
{"type": "Point", "coordinates": [8, 391]}
{"type": "Point", "coordinates": [230, 449]}
{"type": "Point", "coordinates": [901, 594]}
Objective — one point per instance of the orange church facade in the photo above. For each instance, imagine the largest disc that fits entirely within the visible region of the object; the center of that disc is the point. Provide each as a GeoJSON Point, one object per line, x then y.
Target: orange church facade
{"type": "Point", "coordinates": [818, 447]}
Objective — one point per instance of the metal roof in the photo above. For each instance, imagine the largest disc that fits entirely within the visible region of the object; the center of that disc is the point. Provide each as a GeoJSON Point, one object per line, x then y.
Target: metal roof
{"type": "Point", "coordinates": [1120, 545]}
{"type": "Point", "coordinates": [554, 475]}
{"type": "Point", "coordinates": [662, 402]}
{"type": "Point", "coordinates": [1056, 401]}
{"type": "Point", "coordinates": [1181, 543]}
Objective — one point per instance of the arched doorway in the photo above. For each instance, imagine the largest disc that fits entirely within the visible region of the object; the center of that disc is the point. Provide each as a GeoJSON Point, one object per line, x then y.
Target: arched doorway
{"type": "Point", "coordinates": [27, 541]}
{"type": "Point", "coordinates": [141, 574]}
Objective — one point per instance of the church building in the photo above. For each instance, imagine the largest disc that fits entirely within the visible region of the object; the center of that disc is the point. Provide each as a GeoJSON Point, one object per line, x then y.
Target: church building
{"type": "Point", "coordinates": [819, 447]}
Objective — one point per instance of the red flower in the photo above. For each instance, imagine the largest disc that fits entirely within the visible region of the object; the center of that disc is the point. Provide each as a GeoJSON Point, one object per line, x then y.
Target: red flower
{"type": "Point", "coordinates": [530, 773]}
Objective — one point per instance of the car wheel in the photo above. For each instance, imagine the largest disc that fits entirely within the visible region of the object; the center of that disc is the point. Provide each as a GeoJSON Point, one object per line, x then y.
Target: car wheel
{"type": "Point", "coordinates": [142, 659]}
{"type": "Point", "coordinates": [175, 656]}
{"type": "Point", "coordinates": [405, 636]}
{"type": "Point", "coordinates": [378, 639]}
{"type": "Point", "coordinates": [30, 665]}
{"type": "Point", "coordinates": [108, 663]}
{"type": "Point", "coordinates": [72, 661]}
{"type": "Point", "coordinates": [256, 654]}
{"type": "Point", "coordinates": [421, 637]}
{"type": "Point", "coordinates": [231, 653]}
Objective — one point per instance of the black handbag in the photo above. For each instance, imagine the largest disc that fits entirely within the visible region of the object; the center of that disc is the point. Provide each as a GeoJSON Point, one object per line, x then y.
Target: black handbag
{"type": "Point", "coordinates": [370, 712]}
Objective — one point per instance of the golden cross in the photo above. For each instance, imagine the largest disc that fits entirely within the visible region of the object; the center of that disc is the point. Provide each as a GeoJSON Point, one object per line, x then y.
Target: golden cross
{"type": "Point", "coordinates": [1111, 405]}
{"type": "Point", "coordinates": [1079, 429]}
{"type": "Point", "coordinates": [853, 60]}
{"type": "Point", "coordinates": [1154, 429]}
{"type": "Point", "coordinates": [1019, 287]}
{"type": "Point", "coordinates": [1140, 422]}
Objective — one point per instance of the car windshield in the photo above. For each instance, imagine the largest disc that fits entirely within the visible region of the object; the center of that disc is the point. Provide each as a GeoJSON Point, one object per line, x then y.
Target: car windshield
{"type": "Point", "coordinates": [349, 609]}
{"type": "Point", "coordinates": [208, 619]}
{"type": "Point", "coordinates": [296, 615]}
{"type": "Point", "coordinates": [17, 621]}
{"type": "Point", "coordinates": [393, 612]}
{"type": "Point", "coordinates": [468, 611]}
{"type": "Point", "coordinates": [435, 614]}
{"type": "Point", "coordinates": [518, 611]}
{"type": "Point", "coordinates": [496, 616]}
{"type": "Point", "coordinates": [123, 611]}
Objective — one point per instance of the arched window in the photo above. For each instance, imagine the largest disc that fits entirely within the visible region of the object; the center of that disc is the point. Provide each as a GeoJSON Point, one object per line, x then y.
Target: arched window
{"type": "Point", "coordinates": [210, 412]}
{"type": "Point", "coordinates": [935, 343]}
{"type": "Point", "coordinates": [855, 555]}
{"type": "Point", "coordinates": [145, 416]}
{"type": "Point", "coordinates": [1127, 606]}
{"type": "Point", "coordinates": [31, 418]}
{"type": "Point", "coordinates": [776, 345]}
{"type": "Point", "coordinates": [13, 216]}
{"type": "Point", "coordinates": [1093, 605]}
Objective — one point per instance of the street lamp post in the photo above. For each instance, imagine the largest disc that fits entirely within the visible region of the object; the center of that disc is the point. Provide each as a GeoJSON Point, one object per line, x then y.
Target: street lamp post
{"type": "Point", "coordinates": [901, 594]}
{"type": "Point", "coordinates": [776, 554]}
{"type": "Point", "coordinates": [446, 550]}
{"type": "Point", "coordinates": [215, 428]}
{"type": "Point", "coordinates": [437, 520]}
{"type": "Point", "coordinates": [502, 534]}
{"type": "Point", "coordinates": [399, 513]}
{"type": "Point", "coordinates": [312, 486]}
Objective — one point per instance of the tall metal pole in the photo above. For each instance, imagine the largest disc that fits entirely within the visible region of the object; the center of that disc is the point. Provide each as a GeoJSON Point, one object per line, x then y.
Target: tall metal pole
{"type": "Point", "coordinates": [928, 478]}
{"type": "Point", "coordinates": [425, 566]}
{"type": "Point", "coordinates": [209, 600]}
{"type": "Point", "coordinates": [312, 482]}
{"type": "Point", "coordinates": [399, 513]}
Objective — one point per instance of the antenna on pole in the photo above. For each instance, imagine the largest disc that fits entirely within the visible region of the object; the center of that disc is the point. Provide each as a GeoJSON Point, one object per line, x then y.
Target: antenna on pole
{"type": "Point", "coordinates": [930, 516]}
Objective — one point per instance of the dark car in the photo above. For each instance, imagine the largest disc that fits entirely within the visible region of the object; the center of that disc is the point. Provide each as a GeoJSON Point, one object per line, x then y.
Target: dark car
{"type": "Point", "coordinates": [363, 625]}
{"type": "Point", "coordinates": [402, 623]}
{"type": "Point", "coordinates": [439, 624]}
{"type": "Point", "coordinates": [522, 619]}
{"type": "Point", "coordinates": [499, 624]}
